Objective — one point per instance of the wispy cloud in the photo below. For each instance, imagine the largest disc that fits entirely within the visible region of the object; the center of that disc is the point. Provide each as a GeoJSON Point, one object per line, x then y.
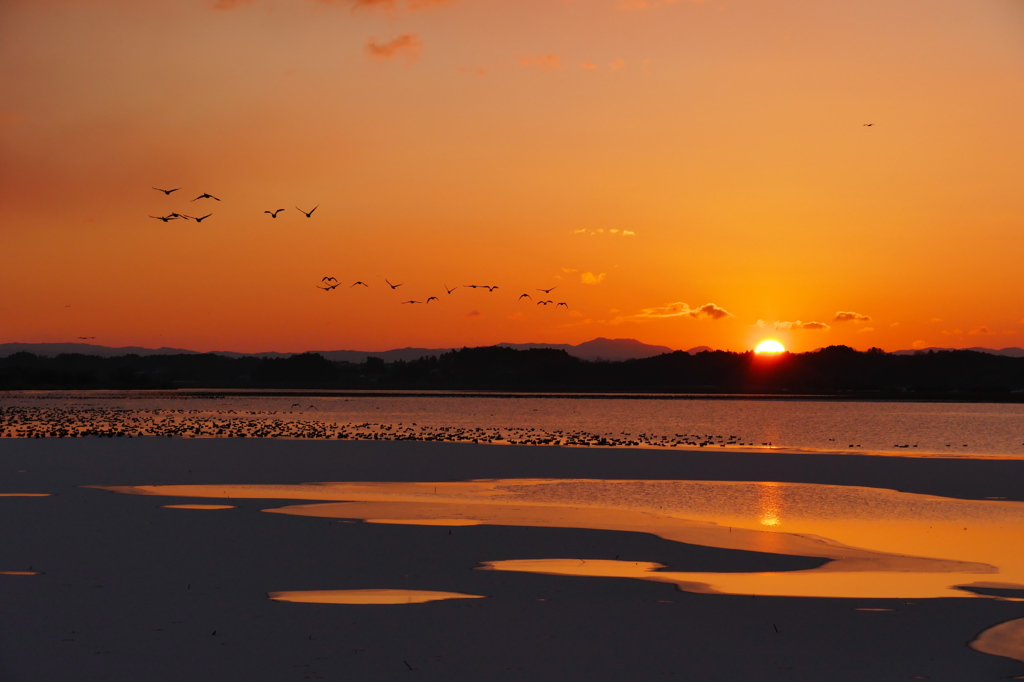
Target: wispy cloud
{"type": "Point", "coordinates": [614, 232]}
{"type": "Point", "coordinates": [406, 46]}
{"type": "Point", "coordinates": [591, 278]}
{"type": "Point", "coordinates": [386, 5]}
{"type": "Point", "coordinates": [849, 316]}
{"type": "Point", "coordinates": [637, 5]}
{"type": "Point", "coordinates": [544, 62]}
{"type": "Point", "coordinates": [230, 4]}
{"type": "Point", "coordinates": [782, 325]}
{"type": "Point", "coordinates": [863, 330]}
{"type": "Point", "coordinates": [473, 314]}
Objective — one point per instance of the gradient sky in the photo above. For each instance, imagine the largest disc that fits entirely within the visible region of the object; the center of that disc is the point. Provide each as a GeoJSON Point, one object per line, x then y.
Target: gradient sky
{"type": "Point", "coordinates": [686, 173]}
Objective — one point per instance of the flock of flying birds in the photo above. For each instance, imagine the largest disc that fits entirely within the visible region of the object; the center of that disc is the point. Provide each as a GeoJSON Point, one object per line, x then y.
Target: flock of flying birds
{"type": "Point", "coordinates": [331, 283]}
{"type": "Point", "coordinates": [206, 195]}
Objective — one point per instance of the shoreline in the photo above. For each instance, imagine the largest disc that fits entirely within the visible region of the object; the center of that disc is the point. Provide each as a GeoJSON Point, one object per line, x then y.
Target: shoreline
{"type": "Point", "coordinates": [127, 586]}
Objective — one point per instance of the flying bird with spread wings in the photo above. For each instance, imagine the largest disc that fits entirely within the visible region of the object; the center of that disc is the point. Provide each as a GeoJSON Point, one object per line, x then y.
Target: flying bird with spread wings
{"type": "Point", "coordinates": [206, 195]}
{"type": "Point", "coordinates": [273, 214]}
{"type": "Point", "coordinates": [167, 191]}
{"type": "Point", "coordinates": [309, 214]}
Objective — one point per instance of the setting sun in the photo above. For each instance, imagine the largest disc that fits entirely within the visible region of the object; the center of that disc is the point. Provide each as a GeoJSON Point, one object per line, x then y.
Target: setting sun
{"type": "Point", "coordinates": [770, 346]}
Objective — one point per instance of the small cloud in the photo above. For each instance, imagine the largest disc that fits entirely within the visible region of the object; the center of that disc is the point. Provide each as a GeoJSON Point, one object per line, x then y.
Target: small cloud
{"type": "Point", "coordinates": [575, 313]}
{"type": "Point", "coordinates": [895, 324]}
{"type": "Point", "coordinates": [591, 278]}
{"type": "Point", "coordinates": [919, 344]}
{"type": "Point", "coordinates": [473, 314]}
{"type": "Point", "coordinates": [589, 66]}
{"type": "Point", "coordinates": [582, 230]}
{"type": "Point", "coordinates": [936, 320]}
{"type": "Point", "coordinates": [848, 316]}
{"type": "Point", "coordinates": [569, 271]}
{"type": "Point", "coordinates": [407, 45]}
{"type": "Point", "coordinates": [865, 329]}
{"type": "Point", "coordinates": [680, 309]}
{"type": "Point", "coordinates": [617, 65]}
{"type": "Point", "coordinates": [230, 4]}
{"type": "Point", "coordinates": [980, 331]}
{"type": "Point", "coordinates": [543, 62]}
{"type": "Point", "coordinates": [798, 325]}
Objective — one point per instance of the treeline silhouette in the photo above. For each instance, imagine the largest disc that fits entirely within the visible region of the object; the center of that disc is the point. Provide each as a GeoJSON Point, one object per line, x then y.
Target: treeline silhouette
{"type": "Point", "coordinates": [833, 370]}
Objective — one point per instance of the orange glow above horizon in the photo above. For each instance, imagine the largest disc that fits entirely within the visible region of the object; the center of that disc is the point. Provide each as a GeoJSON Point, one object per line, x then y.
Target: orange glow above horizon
{"type": "Point", "coordinates": [683, 173]}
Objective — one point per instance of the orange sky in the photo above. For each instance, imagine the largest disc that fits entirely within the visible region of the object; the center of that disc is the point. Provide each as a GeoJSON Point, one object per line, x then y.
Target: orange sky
{"type": "Point", "coordinates": [647, 157]}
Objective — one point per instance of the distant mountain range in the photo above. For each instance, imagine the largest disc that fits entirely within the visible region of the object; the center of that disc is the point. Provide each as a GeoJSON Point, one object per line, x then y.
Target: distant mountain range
{"type": "Point", "coordinates": [1012, 352]}
{"type": "Point", "coordinates": [596, 349]}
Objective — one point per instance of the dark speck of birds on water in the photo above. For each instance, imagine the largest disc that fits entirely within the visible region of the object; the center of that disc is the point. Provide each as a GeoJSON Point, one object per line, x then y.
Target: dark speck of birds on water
{"type": "Point", "coordinates": [273, 214]}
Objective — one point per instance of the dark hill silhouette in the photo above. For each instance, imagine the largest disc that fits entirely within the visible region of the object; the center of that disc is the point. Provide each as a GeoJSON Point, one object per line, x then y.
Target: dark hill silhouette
{"type": "Point", "coordinates": [597, 349]}
{"type": "Point", "coordinates": [837, 371]}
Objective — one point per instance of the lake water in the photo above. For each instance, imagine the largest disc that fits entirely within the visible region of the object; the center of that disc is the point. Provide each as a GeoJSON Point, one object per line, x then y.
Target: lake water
{"type": "Point", "coordinates": [906, 428]}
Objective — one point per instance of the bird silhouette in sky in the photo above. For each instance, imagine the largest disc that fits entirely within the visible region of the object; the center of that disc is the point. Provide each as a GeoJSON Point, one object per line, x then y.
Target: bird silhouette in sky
{"type": "Point", "coordinates": [205, 195]}
{"type": "Point", "coordinates": [393, 286]}
{"type": "Point", "coordinates": [521, 296]}
{"type": "Point", "coordinates": [363, 283]}
{"type": "Point", "coordinates": [548, 291]}
{"type": "Point", "coordinates": [452, 289]}
{"type": "Point", "coordinates": [202, 218]}
{"type": "Point", "coordinates": [471, 286]}
{"type": "Point", "coordinates": [868, 125]}
{"type": "Point", "coordinates": [562, 303]}
{"type": "Point", "coordinates": [167, 191]}
{"type": "Point", "coordinates": [328, 279]}
{"type": "Point", "coordinates": [86, 337]}
{"type": "Point", "coordinates": [310, 213]}
{"type": "Point", "coordinates": [329, 287]}
{"type": "Point", "coordinates": [489, 288]}
{"type": "Point", "coordinates": [404, 302]}
{"type": "Point", "coordinates": [179, 215]}
{"type": "Point", "coordinates": [165, 218]}
{"type": "Point", "coordinates": [273, 214]}
{"type": "Point", "coordinates": [432, 298]}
